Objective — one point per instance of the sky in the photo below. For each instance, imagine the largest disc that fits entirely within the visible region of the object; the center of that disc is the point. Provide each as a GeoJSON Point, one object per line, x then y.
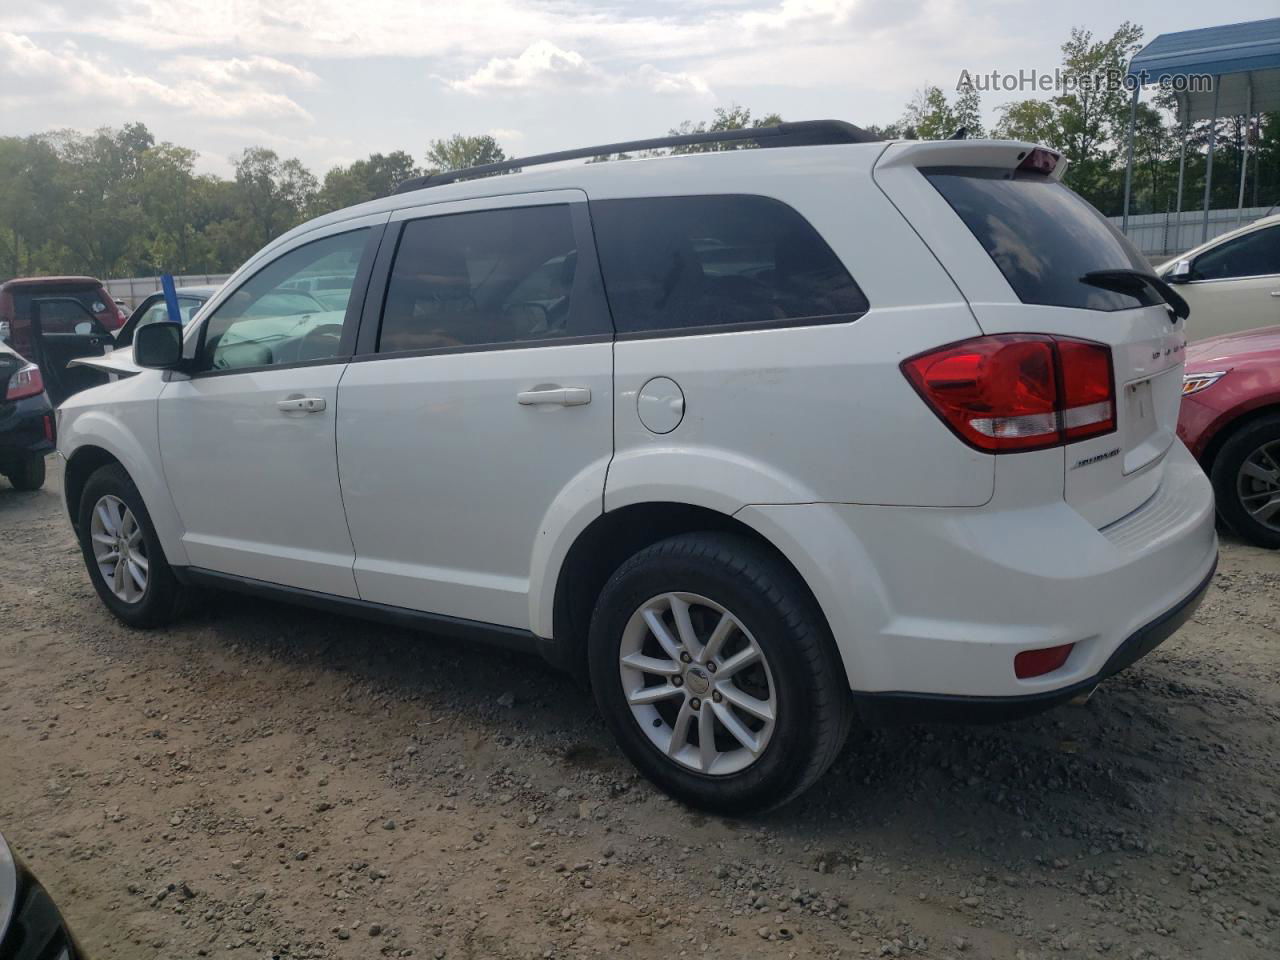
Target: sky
{"type": "Point", "coordinates": [330, 81]}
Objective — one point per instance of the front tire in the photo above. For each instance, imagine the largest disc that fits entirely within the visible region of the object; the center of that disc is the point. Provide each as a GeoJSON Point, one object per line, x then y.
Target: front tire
{"type": "Point", "coordinates": [122, 552]}
{"type": "Point", "coordinates": [29, 474]}
{"type": "Point", "coordinates": [717, 673]}
{"type": "Point", "coordinates": [1246, 481]}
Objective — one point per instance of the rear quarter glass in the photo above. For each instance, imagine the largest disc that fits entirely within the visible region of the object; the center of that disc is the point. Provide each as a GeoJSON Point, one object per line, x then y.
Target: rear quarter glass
{"type": "Point", "coordinates": [1042, 235]}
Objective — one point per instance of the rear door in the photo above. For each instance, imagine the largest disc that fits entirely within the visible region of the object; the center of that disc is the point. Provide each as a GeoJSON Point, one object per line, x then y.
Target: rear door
{"type": "Point", "coordinates": [479, 404]}
{"type": "Point", "coordinates": [1017, 242]}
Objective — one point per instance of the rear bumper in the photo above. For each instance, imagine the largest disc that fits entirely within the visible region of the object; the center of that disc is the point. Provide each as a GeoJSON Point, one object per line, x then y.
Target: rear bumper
{"type": "Point", "coordinates": [23, 428]}
{"type": "Point", "coordinates": [935, 603]}
{"type": "Point", "coordinates": [897, 708]}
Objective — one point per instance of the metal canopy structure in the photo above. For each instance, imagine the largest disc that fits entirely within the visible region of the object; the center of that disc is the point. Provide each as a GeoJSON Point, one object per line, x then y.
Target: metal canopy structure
{"type": "Point", "coordinates": [1241, 62]}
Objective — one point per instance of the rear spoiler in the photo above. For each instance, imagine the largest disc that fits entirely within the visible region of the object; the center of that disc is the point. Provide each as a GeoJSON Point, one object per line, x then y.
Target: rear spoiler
{"type": "Point", "coordinates": [1000, 154]}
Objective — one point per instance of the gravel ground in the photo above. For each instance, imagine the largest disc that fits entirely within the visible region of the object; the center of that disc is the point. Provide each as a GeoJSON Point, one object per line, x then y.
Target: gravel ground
{"type": "Point", "coordinates": [264, 781]}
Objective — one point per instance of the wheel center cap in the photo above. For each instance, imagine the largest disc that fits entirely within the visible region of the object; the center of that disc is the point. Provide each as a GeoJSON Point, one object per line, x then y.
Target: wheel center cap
{"type": "Point", "coordinates": [697, 680]}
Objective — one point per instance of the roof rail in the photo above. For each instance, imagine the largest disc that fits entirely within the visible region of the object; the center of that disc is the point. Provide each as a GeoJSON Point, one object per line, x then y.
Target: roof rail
{"type": "Point", "coordinates": [802, 133]}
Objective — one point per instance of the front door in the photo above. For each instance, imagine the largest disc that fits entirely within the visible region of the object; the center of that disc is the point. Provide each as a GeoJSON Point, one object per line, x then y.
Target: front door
{"type": "Point", "coordinates": [482, 402]}
{"type": "Point", "coordinates": [247, 441]}
{"type": "Point", "coordinates": [63, 329]}
{"type": "Point", "coordinates": [1235, 286]}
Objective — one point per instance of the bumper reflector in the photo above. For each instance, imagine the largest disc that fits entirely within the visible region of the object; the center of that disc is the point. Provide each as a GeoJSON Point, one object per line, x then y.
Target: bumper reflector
{"type": "Point", "coordinates": [1036, 663]}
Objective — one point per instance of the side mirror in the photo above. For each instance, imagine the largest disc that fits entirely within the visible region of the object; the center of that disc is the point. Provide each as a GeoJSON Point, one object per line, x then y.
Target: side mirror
{"type": "Point", "coordinates": [158, 346]}
{"type": "Point", "coordinates": [1181, 272]}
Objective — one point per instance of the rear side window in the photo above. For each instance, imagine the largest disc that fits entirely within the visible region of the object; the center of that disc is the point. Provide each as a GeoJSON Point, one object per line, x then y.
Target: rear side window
{"type": "Point", "coordinates": [1043, 236]}
{"type": "Point", "coordinates": [489, 278]}
{"type": "Point", "coordinates": [687, 263]}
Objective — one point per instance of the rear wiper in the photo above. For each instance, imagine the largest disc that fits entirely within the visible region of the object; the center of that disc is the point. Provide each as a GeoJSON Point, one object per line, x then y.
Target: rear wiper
{"type": "Point", "coordinates": [1135, 281]}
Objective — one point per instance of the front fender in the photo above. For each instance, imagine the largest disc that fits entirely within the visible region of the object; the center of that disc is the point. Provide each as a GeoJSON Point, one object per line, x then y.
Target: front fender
{"type": "Point", "coordinates": [120, 418]}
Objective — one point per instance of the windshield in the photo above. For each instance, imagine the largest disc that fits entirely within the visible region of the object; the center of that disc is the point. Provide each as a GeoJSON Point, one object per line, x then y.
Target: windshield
{"type": "Point", "coordinates": [1043, 236]}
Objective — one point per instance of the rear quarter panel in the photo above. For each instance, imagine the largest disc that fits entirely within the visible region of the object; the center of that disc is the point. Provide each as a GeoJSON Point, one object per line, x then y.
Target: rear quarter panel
{"type": "Point", "coordinates": [805, 413]}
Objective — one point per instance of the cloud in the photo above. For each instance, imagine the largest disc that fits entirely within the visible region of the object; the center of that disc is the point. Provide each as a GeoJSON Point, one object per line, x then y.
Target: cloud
{"type": "Point", "coordinates": [540, 65]}
{"type": "Point", "coordinates": [221, 89]}
{"type": "Point", "coordinates": [543, 66]}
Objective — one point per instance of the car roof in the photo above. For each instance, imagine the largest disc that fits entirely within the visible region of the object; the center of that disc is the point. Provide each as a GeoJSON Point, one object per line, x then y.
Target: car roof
{"type": "Point", "coordinates": [52, 282]}
{"type": "Point", "coordinates": [636, 176]}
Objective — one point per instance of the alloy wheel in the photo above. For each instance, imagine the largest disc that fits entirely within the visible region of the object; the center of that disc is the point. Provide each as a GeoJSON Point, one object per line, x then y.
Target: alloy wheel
{"type": "Point", "coordinates": [1258, 485]}
{"type": "Point", "coordinates": [119, 549]}
{"type": "Point", "coordinates": [697, 683]}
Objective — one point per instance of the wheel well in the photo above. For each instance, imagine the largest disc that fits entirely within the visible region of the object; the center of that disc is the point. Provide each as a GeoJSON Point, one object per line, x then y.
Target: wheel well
{"type": "Point", "coordinates": [1226, 430]}
{"type": "Point", "coordinates": [606, 544]}
{"type": "Point", "coordinates": [80, 468]}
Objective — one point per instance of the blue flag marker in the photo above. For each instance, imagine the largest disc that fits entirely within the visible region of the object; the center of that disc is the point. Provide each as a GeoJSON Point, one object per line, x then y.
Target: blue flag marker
{"type": "Point", "coordinates": [170, 298]}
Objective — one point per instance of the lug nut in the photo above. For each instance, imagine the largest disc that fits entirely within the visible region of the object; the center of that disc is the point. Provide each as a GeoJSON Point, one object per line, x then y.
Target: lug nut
{"type": "Point", "coordinates": [711, 666]}
{"type": "Point", "coordinates": [695, 703]}
{"type": "Point", "coordinates": [677, 681]}
{"type": "Point", "coordinates": [716, 696]}
{"type": "Point", "coordinates": [684, 657]}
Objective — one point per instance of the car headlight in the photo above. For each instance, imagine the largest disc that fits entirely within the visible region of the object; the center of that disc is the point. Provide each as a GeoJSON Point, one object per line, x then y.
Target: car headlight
{"type": "Point", "coordinates": [1195, 382]}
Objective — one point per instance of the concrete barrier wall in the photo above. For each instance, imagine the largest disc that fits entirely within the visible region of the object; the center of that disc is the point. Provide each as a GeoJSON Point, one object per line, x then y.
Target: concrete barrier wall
{"type": "Point", "coordinates": [133, 290]}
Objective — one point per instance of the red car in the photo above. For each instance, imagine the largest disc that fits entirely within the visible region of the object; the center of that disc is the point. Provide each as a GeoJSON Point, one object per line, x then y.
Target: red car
{"type": "Point", "coordinates": [54, 320]}
{"type": "Point", "coordinates": [1230, 420]}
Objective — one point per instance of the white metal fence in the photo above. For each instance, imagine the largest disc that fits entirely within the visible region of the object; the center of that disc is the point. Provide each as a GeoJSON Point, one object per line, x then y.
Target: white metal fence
{"type": "Point", "coordinates": [1164, 235]}
{"type": "Point", "coordinates": [133, 290]}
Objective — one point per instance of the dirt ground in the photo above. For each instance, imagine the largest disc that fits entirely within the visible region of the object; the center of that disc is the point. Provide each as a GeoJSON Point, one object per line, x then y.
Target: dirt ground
{"type": "Point", "coordinates": [264, 781]}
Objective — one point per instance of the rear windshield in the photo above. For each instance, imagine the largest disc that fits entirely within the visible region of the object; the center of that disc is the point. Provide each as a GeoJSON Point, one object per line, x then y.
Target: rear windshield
{"type": "Point", "coordinates": [1043, 236]}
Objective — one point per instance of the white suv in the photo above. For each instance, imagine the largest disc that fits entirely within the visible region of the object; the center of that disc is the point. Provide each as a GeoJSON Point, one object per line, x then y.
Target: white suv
{"type": "Point", "coordinates": [755, 440]}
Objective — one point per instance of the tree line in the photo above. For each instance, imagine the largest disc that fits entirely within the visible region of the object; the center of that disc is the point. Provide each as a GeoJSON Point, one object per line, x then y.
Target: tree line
{"type": "Point", "coordinates": [116, 202]}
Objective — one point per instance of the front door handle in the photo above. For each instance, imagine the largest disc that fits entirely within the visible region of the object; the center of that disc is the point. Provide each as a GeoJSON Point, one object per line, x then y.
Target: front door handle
{"type": "Point", "coordinates": [1275, 293]}
{"type": "Point", "coordinates": [301, 405]}
{"type": "Point", "coordinates": [554, 394]}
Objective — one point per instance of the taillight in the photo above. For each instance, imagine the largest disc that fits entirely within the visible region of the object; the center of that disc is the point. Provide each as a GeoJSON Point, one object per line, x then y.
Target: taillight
{"type": "Point", "coordinates": [27, 382]}
{"type": "Point", "coordinates": [1013, 392]}
{"type": "Point", "coordinates": [1036, 663]}
{"type": "Point", "coordinates": [1040, 161]}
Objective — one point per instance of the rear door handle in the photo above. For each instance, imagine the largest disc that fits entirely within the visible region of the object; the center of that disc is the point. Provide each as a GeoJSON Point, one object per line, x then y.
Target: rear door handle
{"type": "Point", "coordinates": [1275, 293]}
{"type": "Point", "coordinates": [301, 405]}
{"type": "Point", "coordinates": [554, 394]}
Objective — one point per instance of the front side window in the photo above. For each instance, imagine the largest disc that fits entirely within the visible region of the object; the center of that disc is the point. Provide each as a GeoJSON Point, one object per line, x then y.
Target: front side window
{"type": "Point", "coordinates": [484, 278]}
{"type": "Point", "coordinates": [1255, 254]}
{"type": "Point", "coordinates": [676, 263]}
{"type": "Point", "coordinates": [268, 322]}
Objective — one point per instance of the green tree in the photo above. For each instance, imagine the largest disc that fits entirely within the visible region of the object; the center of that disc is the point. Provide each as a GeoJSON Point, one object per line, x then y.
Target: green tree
{"type": "Point", "coordinates": [1034, 121]}
{"type": "Point", "coordinates": [460, 151]}
{"type": "Point", "coordinates": [930, 116]}
{"type": "Point", "coordinates": [733, 117]}
{"type": "Point", "coordinates": [274, 194]}
{"type": "Point", "coordinates": [364, 180]}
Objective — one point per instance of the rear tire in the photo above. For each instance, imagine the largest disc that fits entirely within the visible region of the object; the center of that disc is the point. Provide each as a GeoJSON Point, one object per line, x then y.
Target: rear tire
{"type": "Point", "coordinates": [29, 474]}
{"type": "Point", "coordinates": [1246, 475]}
{"type": "Point", "coordinates": [142, 590]}
{"type": "Point", "coordinates": [776, 724]}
